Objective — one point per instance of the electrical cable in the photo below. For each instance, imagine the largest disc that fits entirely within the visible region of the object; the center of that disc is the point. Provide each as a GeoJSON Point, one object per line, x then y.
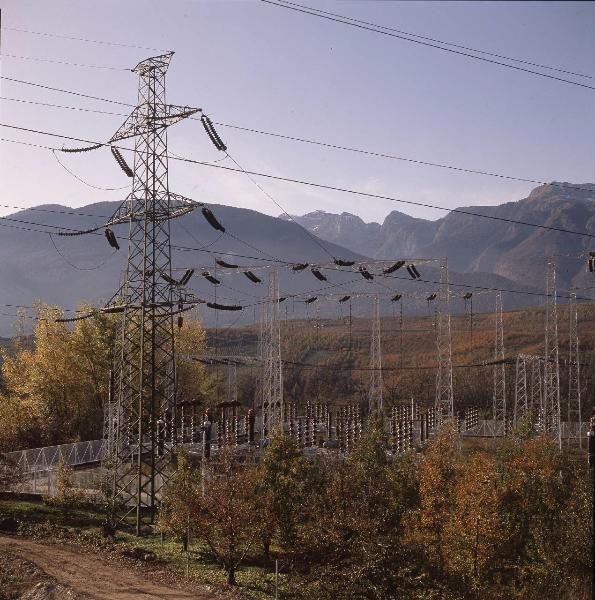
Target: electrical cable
{"type": "Point", "coordinates": [62, 62]}
{"type": "Point", "coordinates": [377, 29]}
{"type": "Point", "coordinates": [76, 267]}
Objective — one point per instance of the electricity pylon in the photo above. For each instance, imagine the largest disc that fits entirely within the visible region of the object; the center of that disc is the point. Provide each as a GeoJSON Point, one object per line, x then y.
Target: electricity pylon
{"type": "Point", "coordinates": [145, 372]}
{"type": "Point", "coordinates": [444, 401]}
{"type": "Point", "coordinates": [499, 395]}
{"type": "Point", "coordinates": [552, 367]}
{"type": "Point", "coordinates": [574, 381]}
{"type": "Point", "coordinates": [375, 389]}
{"type": "Point", "coordinates": [272, 368]}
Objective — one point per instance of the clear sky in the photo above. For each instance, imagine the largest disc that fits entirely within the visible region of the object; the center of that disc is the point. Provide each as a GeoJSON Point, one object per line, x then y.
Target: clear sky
{"type": "Point", "coordinates": [256, 65]}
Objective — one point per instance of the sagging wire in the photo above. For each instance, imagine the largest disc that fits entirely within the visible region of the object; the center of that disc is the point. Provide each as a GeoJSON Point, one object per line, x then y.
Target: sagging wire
{"type": "Point", "coordinates": [83, 181]}
{"type": "Point", "coordinates": [67, 261]}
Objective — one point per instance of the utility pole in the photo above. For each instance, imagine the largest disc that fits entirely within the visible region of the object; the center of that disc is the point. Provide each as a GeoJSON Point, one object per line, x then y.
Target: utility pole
{"type": "Point", "coordinates": [145, 371]}
{"type": "Point", "coordinates": [272, 368]}
{"type": "Point", "coordinates": [499, 396]}
{"type": "Point", "coordinates": [444, 401]}
{"type": "Point", "coordinates": [552, 367]}
{"type": "Point", "coordinates": [375, 389]}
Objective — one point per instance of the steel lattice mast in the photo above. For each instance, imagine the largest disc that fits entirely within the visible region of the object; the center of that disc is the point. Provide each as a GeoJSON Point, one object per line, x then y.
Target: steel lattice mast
{"type": "Point", "coordinates": [499, 395]}
{"type": "Point", "coordinates": [552, 367]}
{"type": "Point", "coordinates": [574, 385]}
{"type": "Point", "coordinates": [520, 390]}
{"type": "Point", "coordinates": [145, 373]}
{"type": "Point", "coordinates": [375, 389]}
{"type": "Point", "coordinates": [444, 402]}
{"type": "Point", "coordinates": [270, 348]}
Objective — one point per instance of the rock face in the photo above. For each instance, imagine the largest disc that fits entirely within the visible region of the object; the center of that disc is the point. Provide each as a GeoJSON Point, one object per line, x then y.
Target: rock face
{"type": "Point", "coordinates": [476, 245]}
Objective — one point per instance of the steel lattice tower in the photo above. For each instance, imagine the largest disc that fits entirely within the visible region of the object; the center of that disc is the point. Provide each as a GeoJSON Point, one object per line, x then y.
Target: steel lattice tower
{"type": "Point", "coordinates": [552, 365]}
{"type": "Point", "coordinates": [375, 389]}
{"type": "Point", "coordinates": [520, 390]}
{"type": "Point", "coordinates": [145, 373]}
{"type": "Point", "coordinates": [574, 385]}
{"type": "Point", "coordinates": [499, 395]}
{"type": "Point", "coordinates": [444, 402]}
{"type": "Point", "coordinates": [270, 348]}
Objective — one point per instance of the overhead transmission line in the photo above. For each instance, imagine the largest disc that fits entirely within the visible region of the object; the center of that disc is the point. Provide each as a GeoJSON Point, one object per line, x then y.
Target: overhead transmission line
{"type": "Point", "coordinates": [61, 62]}
{"type": "Point", "coordinates": [81, 39]}
{"type": "Point", "coordinates": [332, 146]}
{"type": "Point", "coordinates": [382, 31]}
{"type": "Point", "coordinates": [319, 185]}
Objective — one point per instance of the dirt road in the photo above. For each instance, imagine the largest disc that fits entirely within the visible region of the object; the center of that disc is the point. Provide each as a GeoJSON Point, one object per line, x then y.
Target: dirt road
{"type": "Point", "coordinates": [91, 576]}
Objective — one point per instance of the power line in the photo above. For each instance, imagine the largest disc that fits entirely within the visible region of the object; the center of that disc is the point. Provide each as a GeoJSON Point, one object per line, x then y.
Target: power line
{"type": "Point", "coordinates": [79, 39]}
{"type": "Point", "coordinates": [62, 62]}
{"type": "Point", "coordinates": [378, 29]}
{"type": "Point", "coordinates": [430, 39]}
{"type": "Point", "coordinates": [323, 144]}
{"type": "Point", "coordinates": [327, 187]}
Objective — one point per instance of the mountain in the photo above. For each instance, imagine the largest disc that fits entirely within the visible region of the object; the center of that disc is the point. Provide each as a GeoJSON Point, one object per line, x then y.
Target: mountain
{"type": "Point", "coordinates": [476, 245]}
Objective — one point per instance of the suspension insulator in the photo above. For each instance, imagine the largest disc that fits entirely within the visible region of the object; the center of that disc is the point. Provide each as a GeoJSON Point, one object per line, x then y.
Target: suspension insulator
{"type": "Point", "coordinates": [121, 162]}
{"type": "Point", "coordinates": [344, 298]}
{"type": "Point", "coordinates": [299, 267]}
{"type": "Point", "coordinates": [431, 297]}
{"type": "Point", "coordinates": [310, 300]}
{"type": "Point", "coordinates": [213, 135]}
{"type": "Point", "coordinates": [343, 263]}
{"type": "Point", "coordinates": [224, 306]}
{"type": "Point", "coordinates": [318, 275]}
{"type": "Point", "coordinates": [212, 220]}
{"type": "Point", "coordinates": [186, 277]}
{"type": "Point", "coordinates": [365, 273]}
{"type": "Point", "coordinates": [396, 297]}
{"type": "Point", "coordinates": [282, 299]}
{"type": "Point", "coordinates": [226, 265]}
{"type": "Point", "coordinates": [169, 279]}
{"type": "Point", "coordinates": [468, 296]}
{"type": "Point", "coordinates": [180, 316]}
{"type": "Point", "coordinates": [111, 239]}
{"type": "Point", "coordinates": [87, 149]}
{"type": "Point", "coordinates": [416, 273]}
{"type": "Point", "coordinates": [252, 277]}
{"type": "Point", "coordinates": [394, 267]}
{"type": "Point", "coordinates": [411, 272]}
{"type": "Point", "coordinates": [210, 278]}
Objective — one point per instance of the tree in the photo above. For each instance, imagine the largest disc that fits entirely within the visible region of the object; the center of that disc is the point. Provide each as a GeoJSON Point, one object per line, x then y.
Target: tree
{"type": "Point", "coordinates": [67, 497]}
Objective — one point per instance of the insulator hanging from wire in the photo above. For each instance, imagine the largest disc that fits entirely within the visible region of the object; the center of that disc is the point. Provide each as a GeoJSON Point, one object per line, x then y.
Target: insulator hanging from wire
{"type": "Point", "coordinates": [113, 309]}
{"type": "Point", "coordinates": [431, 297]}
{"type": "Point", "coordinates": [396, 297]}
{"type": "Point", "coordinates": [186, 277]}
{"type": "Point", "coordinates": [252, 277]}
{"type": "Point", "coordinates": [591, 265]}
{"type": "Point", "coordinates": [210, 278]}
{"type": "Point", "coordinates": [365, 273]}
{"type": "Point", "coordinates": [217, 306]}
{"type": "Point", "coordinates": [111, 238]}
{"type": "Point", "coordinates": [121, 162]}
{"type": "Point", "coordinates": [226, 265]}
{"type": "Point", "coordinates": [180, 316]}
{"type": "Point", "coordinates": [416, 273]}
{"type": "Point", "coordinates": [87, 149]}
{"type": "Point", "coordinates": [299, 267]}
{"type": "Point", "coordinates": [318, 275]}
{"type": "Point", "coordinates": [344, 298]}
{"type": "Point", "coordinates": [310, 300]}
{"type": "Point", "coordinates": [213, 135]}
{"type": "Point", "coordinates": [343, 263]}
{"type": "Point", "coordinates": [282, 299]}
{"type": "Point", "coordinates": [212, 220]}
{"type": "Point", "coordinates": [468, 296]}
{"type": "Point", "coordinates": [394, 267]}
{"type": "Point", "coordinates": [169, 279]}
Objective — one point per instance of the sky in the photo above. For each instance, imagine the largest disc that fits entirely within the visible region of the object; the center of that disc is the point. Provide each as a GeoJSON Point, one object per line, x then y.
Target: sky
{"type": "Point", "coordinates": [255, 65]}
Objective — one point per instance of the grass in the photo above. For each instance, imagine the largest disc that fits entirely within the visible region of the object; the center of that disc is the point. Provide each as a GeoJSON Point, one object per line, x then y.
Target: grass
{"type": "Point", "coordinates": [255, 581]}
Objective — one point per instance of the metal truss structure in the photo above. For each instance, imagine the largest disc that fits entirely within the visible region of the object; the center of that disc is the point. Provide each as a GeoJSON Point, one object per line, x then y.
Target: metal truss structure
{"type": "Point", "coordinates": [574, 381]}
{"type": "Point", "coordinates": [528, 394]}
{"type": "Point", "coordinates": [375, 389]}
{"type": "Point", "coordinates": [271, 385]}
{"type": "Point", "coordinates": [444, 402]}
{"type": "Point", "coordinates": [144, 415]}
{"type": "Point", "coordinates": [499, 393]}
{"type": "Point", "coordinates": [551, 421]}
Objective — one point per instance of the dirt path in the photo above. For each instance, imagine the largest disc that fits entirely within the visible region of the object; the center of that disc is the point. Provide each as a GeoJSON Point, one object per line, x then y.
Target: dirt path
{"type": "Point", "coordinates": [90, 576]}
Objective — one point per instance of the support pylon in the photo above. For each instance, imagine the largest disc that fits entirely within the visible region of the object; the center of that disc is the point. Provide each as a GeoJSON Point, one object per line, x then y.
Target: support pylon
{"type": "Point", "coordinates": [520, 390]}
{"type": "Point", "coordinates": [232, 383]}
{"type": "Point", "coordinates": [145, 369]}
{"type": "Point", "coordinates": [444, 401]}
{"type": "Point", "coordinates": [375, 389]}
{"type": "Point", "coordinates": [272, 369]}
{"type": "Point", "coordinates": [552, 367]}
{"type": "Point", "coordinates": [574, 381]}
{"type": "Point", "coordinates": [499, 392]}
